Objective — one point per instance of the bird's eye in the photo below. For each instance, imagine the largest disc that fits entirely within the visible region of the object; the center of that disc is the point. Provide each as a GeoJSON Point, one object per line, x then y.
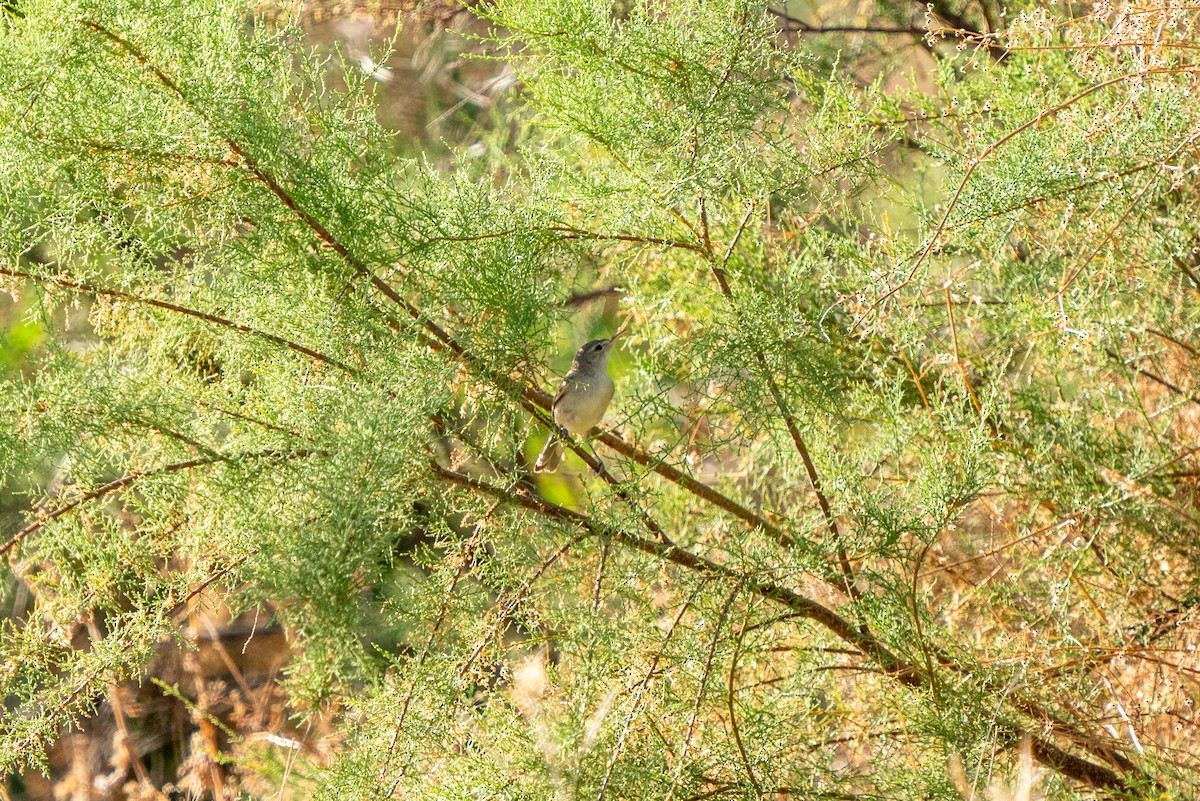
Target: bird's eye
{"type": "Point", "coordinates": [599, 347]}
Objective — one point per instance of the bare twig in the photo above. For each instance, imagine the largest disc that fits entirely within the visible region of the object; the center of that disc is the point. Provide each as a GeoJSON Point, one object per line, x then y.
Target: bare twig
{"type": "Point", "coordinates": [699, 700]}
{"type": "Point", "coordinates": [1183, 393]}
{"type": "Point", "coordinates": [583, 298]}
{"type": "Point", "coordinates": [730, 702]}
{"type": "Point", "coordinates": [962, 370]}
{"type": "Point", "coordinates": [974, 164]}
{"type": "Point", "coordinates": [810, 469]}
{"type": "Point", "coordinates": [641, 688]}
{"type": "Point", "coordinates": [957, 30]}
{"type": "Point", "coordinates": [460, 570]}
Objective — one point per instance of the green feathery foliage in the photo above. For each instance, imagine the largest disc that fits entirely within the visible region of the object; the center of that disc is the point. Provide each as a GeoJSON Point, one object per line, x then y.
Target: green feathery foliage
{"type": "Point", "coordinates": [900, 471]}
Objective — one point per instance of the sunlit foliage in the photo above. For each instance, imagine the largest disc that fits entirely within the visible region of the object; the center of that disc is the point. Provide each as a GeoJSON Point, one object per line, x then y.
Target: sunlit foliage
{"type": "Point", "coordinates": [900, 472]}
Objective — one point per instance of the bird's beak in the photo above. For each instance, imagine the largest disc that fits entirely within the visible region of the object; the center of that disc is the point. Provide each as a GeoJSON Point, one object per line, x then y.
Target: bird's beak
{"type": "Point", "coordinates": [617, 335]}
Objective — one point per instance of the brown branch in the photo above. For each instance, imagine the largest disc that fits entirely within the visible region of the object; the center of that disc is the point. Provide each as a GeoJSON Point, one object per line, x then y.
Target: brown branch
{"type": "Point", "coordinates": [962, 370]}
{"type": "Point", "coordinates": [576, 233]}
{"type": "Point", "coordinates": [975, 163]}
{"type": "Point", "coordinates": [957, 30]}
{"type": "Point", "coordinates": [582, 298]}
{"type": "Point", "coordinates": [814, 478]}
{"type": "Point", "coordinates": [162, 155]}
{"type": "Point", "coordinates": [939, 8]}
{"type": "Point", "coordinates": [441, 340]}
{"type": "Point", "coordinates": [803, 606]}
{"type": "Point", "coordinates": [731, 691]}
{"type": "Point", "coordinates": [79, 286]}
{"type": "Point", "coordinates": [795, 25]}
{"type": "Point", "coordinates": [1189, 348]}
{"type": "Point", "coordinates": [569, 234]}
{"type": "Point", "coordinates": [1183, 393]}
{"type": "Point", "coordinates": [907, 674]}
{"type": "Point", "coordinates": [132, 478]}
{"type": "Point", "coordinates": [598, 584]}
{"type": "Point", "coordinates": [256, 421]}
{"type": "Point", "coordinates": [1188, 271]}
{"type": "Point", "coordinates": [718, 272]}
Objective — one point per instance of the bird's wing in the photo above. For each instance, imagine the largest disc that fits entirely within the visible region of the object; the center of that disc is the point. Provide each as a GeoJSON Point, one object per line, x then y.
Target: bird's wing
{"type": "Point", "coordinates": [571, 378]}
{"type": "Point", "coordinates": [562, 390]}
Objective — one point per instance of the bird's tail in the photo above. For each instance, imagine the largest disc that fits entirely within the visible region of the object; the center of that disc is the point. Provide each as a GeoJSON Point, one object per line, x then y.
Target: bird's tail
{"type": "Point", "coordinates": [550, 457]}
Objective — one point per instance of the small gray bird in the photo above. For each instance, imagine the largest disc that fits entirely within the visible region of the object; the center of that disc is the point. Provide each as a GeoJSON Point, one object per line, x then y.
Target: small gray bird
{"type": "Point", "coordinates": [581, 400]}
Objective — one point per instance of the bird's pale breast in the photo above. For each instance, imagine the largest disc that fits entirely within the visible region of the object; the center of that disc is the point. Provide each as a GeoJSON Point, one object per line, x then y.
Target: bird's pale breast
{"type": "Point", "coordinates": [582, 406]}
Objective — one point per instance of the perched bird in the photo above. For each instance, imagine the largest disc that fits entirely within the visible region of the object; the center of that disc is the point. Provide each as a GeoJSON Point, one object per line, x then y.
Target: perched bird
{"type": "Point", "coordinates": [581, 400]}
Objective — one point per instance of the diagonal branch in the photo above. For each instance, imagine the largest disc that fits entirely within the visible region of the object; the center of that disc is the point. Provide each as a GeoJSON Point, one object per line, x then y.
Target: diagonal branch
{"type": "Point", "coordinates": [814, 478]}
{"type": "Point", "coordinates": [800, 606]}
{"type": "Point", "coordinates": [803, 606]}
{"type": "Point", "coordinates": [730, 692]}
{"type": "Point", "coordinates": [1157, 379]}
{"type": "Point", "coordinates": [987, 152]}
{"type": "Point", "coordinates": [568, 232]}
{"type": "Point", "coordinates": [79, 286]}
{"type": "Point", "coordinates": [439, 339]}
{"type": "Point", "coordinates": [137, 475]}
